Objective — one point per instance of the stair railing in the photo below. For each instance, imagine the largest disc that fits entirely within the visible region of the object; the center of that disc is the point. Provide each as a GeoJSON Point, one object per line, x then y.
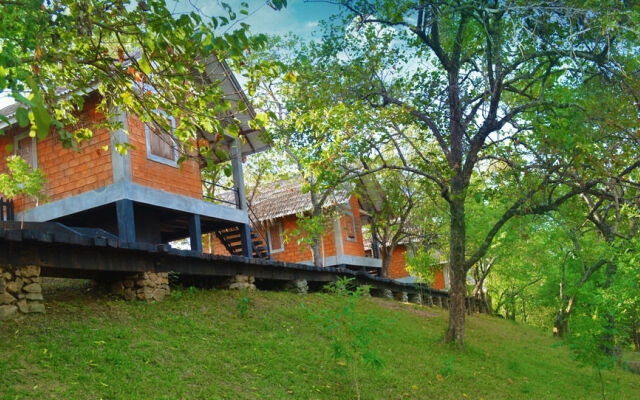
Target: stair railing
{"type": "Point", "coordinates": [253, 218]}
{"type": "Point", "coordinates": [6, 210]}
{"type": "Point", "coordinates": [259, 228]}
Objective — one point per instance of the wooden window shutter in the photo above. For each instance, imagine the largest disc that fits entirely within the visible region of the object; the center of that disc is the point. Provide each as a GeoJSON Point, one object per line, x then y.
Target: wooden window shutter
{"type": "Point", "coordinates": [25, 150]}
{"type": "Point", "coordinates": [161, 144]}
{"type": "Point", "coordinates": [275, 238]}
{"type": "Point", "coordinates": [350, 227]}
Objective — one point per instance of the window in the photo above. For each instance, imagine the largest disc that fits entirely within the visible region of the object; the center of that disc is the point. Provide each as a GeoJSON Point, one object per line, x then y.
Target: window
{"type": "Point", "coordinates": [25, 147]}
{"type": "Point", "coordinates": [350, 226]}
{"type": "Point", "coordinates": [276, 244]}
{"type": "Point", "coordinates": [161, 146]}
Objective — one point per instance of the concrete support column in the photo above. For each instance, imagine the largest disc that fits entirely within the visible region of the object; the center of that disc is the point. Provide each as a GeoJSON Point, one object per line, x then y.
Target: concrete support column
{"type": "Point", "coordinates": [387, 294]}
{"type": "Point", "coordinates": [126, 221]}
{"type": "Point", "coordinates": [241, 195]}
{"type": "Point", "coordinates": [245, 240]}
{"type": "Point", "coordinates": [120, 163]}
{"type": "Point", "coordinates": [195, 233]}
{"type": "Point", "coordinates": [20, 291]}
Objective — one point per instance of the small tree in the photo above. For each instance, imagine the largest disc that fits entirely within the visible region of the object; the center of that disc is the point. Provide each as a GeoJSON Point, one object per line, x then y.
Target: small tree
{"type": "Point", "coordinates": [22, 179]}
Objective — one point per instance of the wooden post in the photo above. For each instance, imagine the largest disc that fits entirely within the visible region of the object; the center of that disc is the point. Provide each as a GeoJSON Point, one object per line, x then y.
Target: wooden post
{"type": "Point", "coordinates": [195, 233]}
{"type": "Point", "coordinates": [126, 223]}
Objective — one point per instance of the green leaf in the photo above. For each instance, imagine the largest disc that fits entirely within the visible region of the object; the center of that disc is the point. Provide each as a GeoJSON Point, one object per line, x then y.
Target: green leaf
{"type": "Point", "coordinates": [22, 116]}
{"type": "Point", "coordinates": [21, 99]}
{"type": "Point", "coordinates": [228, 170]}
{"type": "Point", "coordinates": [144, 65]}
{"type": "Point", "coordinates": [233, 130]}
{"type": "Point", "coordinates": [43, 121]}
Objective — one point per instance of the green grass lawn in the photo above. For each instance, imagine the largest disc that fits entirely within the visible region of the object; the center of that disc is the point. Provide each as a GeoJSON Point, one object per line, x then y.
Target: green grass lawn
{"type": "Point", "coordinates": [196, 345]}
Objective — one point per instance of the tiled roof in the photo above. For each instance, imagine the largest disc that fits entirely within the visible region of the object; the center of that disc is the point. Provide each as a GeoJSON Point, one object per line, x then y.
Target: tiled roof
{"type": "Point", "coordinates": [284, 198]}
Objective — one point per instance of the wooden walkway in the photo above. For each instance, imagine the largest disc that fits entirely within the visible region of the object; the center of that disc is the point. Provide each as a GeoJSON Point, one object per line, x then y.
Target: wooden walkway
{"type": "Point", "coordinates": [65, 253]}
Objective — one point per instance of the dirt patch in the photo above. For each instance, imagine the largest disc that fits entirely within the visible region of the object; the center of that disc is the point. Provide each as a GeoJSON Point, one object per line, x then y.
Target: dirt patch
{"type": "Point", "coordinates": [62, 289]}
{"type": "Point", "coordinates": [423, 311]}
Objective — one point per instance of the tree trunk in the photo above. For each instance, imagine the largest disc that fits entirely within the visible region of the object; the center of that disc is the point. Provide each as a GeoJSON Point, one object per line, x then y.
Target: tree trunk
{"type": "Point", "coordinates": [386, 262]}
{"type": "Point", "coordinates": [317, 253]}
{"type": "Point", "coordinates": [608, 339]}
{"type": "Point", "coordinates": [560, 324]}
{"type": "Point", "coordinates": [512, 313]}
{"type": "Point", "coordinates": [636, 338]}
{"type": "Point", "coordinates": [457, 270]}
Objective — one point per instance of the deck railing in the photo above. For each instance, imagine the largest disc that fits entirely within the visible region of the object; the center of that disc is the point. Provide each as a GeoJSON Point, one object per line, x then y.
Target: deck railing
{"type": "Point", "coordinates": [212, 185]}
{"type": "Point", "coordinates": [6, 210]}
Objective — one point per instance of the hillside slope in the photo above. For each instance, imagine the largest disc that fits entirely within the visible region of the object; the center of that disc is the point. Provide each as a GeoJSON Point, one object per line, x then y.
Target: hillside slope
{"type": "Point", "coordinates": [230, 345]}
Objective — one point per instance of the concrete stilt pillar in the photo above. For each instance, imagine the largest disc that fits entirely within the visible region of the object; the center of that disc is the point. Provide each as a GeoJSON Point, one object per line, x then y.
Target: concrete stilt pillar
{"type": "Point", "coordinates": [401, 296]}
{"type": "Point", "coordinates": [416, 298]}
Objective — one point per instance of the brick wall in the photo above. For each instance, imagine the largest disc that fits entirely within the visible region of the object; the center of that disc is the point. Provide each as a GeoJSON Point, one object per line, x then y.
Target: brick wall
{"type": "Point", "coordinates": [184, 180]}
{"type": "Point", "coordinates": [353, 248]}
{"type": "Point", "coordinates": [68, 172]}
{"type": "Point", "coordinates": [398, 268]}
{"type": "Point", "coordinates": [398, 265]}
{"type": "Point", "coordinates": [211, 244]}
{"type": "Point", "coordinates": [438, 283]}
{"type": "Point", "coordinates": [294, 252]}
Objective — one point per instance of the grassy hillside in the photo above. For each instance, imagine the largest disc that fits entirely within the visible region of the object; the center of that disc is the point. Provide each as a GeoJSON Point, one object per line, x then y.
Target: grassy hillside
{"type": "Point", "coordinates": [198, 345]}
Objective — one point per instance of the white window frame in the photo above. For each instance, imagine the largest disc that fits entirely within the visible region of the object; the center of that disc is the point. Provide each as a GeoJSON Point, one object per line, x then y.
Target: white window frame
{"type": "Point", "coordinates": [156, 158]}
{"type": "Point", "coordinates": [353, 223]}
{"type": "Point", "coordinates": [281, 249]}
{"type": "Point", "coordinates": [34, 148]}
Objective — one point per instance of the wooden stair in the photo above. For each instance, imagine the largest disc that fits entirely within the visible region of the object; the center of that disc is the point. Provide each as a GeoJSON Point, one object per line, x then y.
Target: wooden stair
{"type": "Point", "coordinates": [232, 241]}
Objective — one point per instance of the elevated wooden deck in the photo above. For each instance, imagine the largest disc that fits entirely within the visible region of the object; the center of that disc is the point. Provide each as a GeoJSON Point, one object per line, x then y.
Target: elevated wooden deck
{"type": "Point", "coordinates": [65, 253]}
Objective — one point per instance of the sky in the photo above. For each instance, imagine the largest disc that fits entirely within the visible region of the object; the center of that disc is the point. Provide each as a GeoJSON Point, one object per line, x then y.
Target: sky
{"type": "Point", "coordinates": [300, 17]}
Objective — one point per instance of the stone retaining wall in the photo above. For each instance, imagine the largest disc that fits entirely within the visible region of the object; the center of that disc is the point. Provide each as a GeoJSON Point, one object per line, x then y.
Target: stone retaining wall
{"type": "Point", "coordinates": [149, 286]}
{"type": "Point", "coordinates": [241, 282]}
{"type": "Point", "coordinates": [20, 291]}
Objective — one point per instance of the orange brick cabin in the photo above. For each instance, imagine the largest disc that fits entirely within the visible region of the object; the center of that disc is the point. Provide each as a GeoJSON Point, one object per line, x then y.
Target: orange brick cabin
{"type": "Point", "coordinates": [141, 196]}
{"type": "Point", "coordinates": [276, 210]}
{"type": "Point", "coordinates": [398, 266]}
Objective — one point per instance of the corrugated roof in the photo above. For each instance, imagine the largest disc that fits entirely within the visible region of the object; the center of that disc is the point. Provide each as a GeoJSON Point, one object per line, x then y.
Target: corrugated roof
{"type": "Point", "coordinates": [9, 110]}
{"type": "Point", "coordinates": [284, 198]}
